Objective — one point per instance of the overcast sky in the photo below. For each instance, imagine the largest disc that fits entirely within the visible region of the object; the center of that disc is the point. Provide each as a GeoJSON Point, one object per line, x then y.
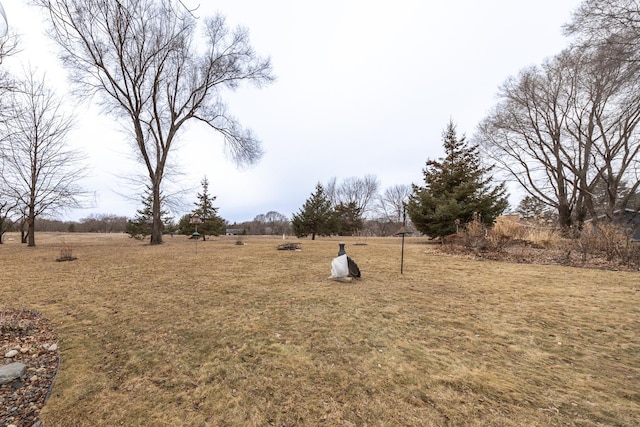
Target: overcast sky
{"type": "Point", "coordinates": [363, 87]}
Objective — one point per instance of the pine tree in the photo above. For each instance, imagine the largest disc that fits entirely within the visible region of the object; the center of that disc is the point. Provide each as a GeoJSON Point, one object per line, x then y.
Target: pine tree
{"type": "Point", "coordinates": [316, 217]}
{"type": "Point", "coordinates": [456, 187]}
{"type": "Point", "coordinates": [532, 208]}
{"type": "Point", "coordinates": [140, 226]}
{"type": "Point", "coordinates": [349, 218]}
{"type": "Point", "coordinates": [212, 223]}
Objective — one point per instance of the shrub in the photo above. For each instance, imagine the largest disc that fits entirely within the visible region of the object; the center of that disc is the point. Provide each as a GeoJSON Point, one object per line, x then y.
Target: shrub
{"type": "Point", "coordinates": [611, 241]}
{"type": "Point", "coordinates": [503, 233]}
{"type": "Point", "coordinates": [542, 237]}
{"type": "Point", "coordinates": [475, 233]}
{"type": "Point", "coordinates": [66, 252]}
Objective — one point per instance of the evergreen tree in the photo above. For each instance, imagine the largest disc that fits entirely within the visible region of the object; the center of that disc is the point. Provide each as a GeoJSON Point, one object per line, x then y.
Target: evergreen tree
{"type": "Point", "coordinates": [349, 218]}
{"type": "Point", "coordinates": [316, 217]}
{"type": "Point", "coordinates": [140, 226]}
{"type": "Point", "coordinates": [456, 187]}
{"type": "Point", "coordinates": [212, 224]}
{"type": "Point", "coordinates": [532, 208]}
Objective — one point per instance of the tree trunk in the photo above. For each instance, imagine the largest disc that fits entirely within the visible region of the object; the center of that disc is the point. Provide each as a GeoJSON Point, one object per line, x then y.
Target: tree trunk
{"type": "Point", "coordinates": [156, 224]}
{"type": "Point", "coordinates": [564, 218]}
{"type": "Point", "coordinates": [31, 228]}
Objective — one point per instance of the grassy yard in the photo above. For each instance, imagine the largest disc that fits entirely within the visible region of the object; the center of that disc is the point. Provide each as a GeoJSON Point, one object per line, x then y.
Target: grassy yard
{"type": "Point", "coordinates": [246, 335]}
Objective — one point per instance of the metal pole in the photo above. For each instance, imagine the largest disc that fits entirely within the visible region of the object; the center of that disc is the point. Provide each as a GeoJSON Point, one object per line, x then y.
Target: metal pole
{"type": "Point", "coordinates": [402, 255]}
{"type": "Point", "coordinates": [404, 223]}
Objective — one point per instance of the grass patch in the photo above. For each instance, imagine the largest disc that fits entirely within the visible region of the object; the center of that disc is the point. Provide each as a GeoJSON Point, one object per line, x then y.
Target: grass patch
{"type": "Point", "coordinates": [249, 335]}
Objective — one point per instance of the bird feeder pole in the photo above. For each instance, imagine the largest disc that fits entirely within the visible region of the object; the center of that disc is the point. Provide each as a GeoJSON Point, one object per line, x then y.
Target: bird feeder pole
{"type": "Point", "coordinates": [195, 219]}
{"type": "Point", "coordinates": [404, 231]}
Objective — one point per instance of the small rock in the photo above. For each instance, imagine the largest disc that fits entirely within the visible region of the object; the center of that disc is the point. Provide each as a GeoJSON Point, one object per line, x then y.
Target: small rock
{"type": "Point", "coordinates": [45, 347]}
{"type": "Point", "coordinates": [53, 347]}
{"type": "Point", "coordinates": [23, 350]}
{"type": "Point", "coordinates": [11, 353]}
{"type": "Point", "coordinates": [33, 378]}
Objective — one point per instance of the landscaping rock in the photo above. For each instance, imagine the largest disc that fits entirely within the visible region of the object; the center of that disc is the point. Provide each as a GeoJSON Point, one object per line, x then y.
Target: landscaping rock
{"type": "Point", "coordinates": [11, 353]}
{"type": "Point", "coordinates": [11, 372]}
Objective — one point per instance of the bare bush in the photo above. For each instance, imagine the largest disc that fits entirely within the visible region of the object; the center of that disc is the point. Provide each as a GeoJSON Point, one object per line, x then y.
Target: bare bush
{"type": "Point", "coordinates": [543, 237]}
{"type": "Point", "coordinates": [603, 246]}
{"type": "Point", "coordinates": [66, 252]}
{"type": "Point", "coordinates": [503, 233]}
{"type": "Point", "coordinates": [475, 233]}
{"type": "Point", "coordinates": [611, 241]}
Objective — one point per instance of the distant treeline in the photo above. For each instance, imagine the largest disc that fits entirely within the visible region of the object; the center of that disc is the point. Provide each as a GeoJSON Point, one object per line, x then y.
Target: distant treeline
{"type": "Point", "coordinates": [108, 223]}
{"type": "Point", "coordinates": [92, 224]}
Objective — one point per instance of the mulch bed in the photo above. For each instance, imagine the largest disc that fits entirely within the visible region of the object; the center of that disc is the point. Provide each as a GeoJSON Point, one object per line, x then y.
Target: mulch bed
{"type": "Point", "coordinates": [32, 336]}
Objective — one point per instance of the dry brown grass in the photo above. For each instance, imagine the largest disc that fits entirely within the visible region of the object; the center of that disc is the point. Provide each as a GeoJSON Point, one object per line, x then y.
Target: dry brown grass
{"type": "Point", "coordinates": [249, 335]}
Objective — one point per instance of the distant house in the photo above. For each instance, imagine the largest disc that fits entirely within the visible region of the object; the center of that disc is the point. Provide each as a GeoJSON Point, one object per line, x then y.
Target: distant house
{"type": "Point", "coordinates": [233, 231]}
{"type": "Point", "coordinates": [629, 218]}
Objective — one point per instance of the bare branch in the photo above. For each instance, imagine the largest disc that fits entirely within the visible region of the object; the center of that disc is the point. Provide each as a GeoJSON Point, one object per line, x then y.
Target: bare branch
{"type": "Point", "coordinates": [142, 58]}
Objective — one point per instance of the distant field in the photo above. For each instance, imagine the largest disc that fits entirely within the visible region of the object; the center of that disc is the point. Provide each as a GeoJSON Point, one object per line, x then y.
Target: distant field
{"type": "Point", "coordinates": [246, 335]}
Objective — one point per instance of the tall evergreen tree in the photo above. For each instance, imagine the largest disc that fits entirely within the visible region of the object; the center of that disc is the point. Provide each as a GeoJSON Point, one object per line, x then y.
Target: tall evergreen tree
{"type": "Point", "coordinates": [316, 217]}
{"type": "Point", "coordinates": [455, 187]}
{"type": "Point", "coordinates": [212, 223]}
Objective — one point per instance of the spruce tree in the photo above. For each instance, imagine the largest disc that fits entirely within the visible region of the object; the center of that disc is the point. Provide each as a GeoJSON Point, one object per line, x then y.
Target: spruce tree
{"type": "Point", "coordinates": [140, 226]}
{"type": "Point", "coordinates": [349, 218]}
{"type": "Point", "coordinates": [316, 217]}
{"type": "Point", "coordinates": [212, 224]}
{"type": "Point", "coordinates": [532, 208]}
{"type": "Point", "coordinates": [456, 187]}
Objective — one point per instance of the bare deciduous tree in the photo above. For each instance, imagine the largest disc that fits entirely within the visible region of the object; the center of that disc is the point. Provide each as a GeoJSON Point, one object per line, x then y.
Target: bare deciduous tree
{"type": "Point", "coordinates": [277, 222]}
{"type": "Point", "coordinates": [390, 204]}
{"type": "Point", "coordinates": [610, 25]}
{"type": "Point", "coordinates": [525, 135]}
{"type": "Point", "coordinates": [8, 46]}
{"type": "Point", "coordinates": [354, 190]}
{"type": "Point", "coordinates": [39, 172]}
{"type": "Point", "coordinates": [610, 30]}
{"type": "Point", "coordinates": [144, 60]}
{"type": "Point", "coordinates": [563, 129]}
{"type": "Point", "coordinates": [7, 205]}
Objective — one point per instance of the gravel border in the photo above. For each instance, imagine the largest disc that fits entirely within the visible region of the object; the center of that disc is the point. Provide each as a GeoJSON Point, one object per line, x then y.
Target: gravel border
{"type": "Point", "coordinates": [37, 348]}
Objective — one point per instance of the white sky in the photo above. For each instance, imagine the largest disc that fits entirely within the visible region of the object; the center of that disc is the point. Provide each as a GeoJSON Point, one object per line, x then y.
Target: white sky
{"type": "Point", "coordinates": [363, 87]}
